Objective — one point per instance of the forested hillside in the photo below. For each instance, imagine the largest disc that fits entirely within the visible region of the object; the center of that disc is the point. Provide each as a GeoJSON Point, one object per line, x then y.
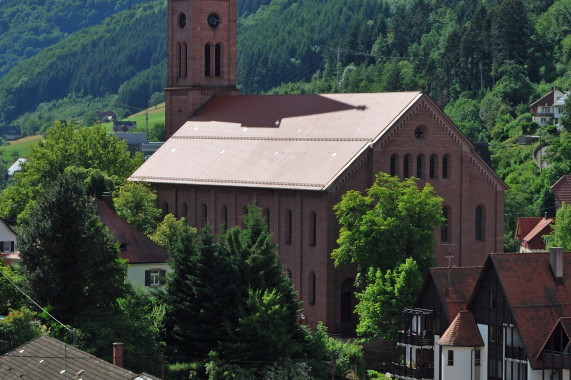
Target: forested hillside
{"type": "Point", "coordinates": [482, 61]}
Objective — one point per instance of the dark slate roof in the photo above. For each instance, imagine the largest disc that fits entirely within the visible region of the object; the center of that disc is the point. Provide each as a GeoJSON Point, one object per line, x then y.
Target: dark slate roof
{"type": "Point", "coordinates": [46, 358]}
{"type": "Point", "coordinates": [536, 301]}
{"type": "Point", "coordinates": [454, 296]}
{"type": "Point", "coordinates": [462, 332]}
{"type": "Point", "coordinates": [136, 247]}
{"type": "Point", "coordinates": [562, 190]}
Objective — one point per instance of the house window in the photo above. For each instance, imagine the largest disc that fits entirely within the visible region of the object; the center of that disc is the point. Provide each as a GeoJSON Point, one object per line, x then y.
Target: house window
{"type": "Point", "coordinates": [7, 246]}
{"type": "Point", "coordinates": [312, 228]}
{"type": "Point", "coordinates": [207, 49]}
{"type": "Point", "coordinates": [347, 300]}
{"type": "Point", "coordinates": [419, 160]}
{"type": "Point", "coordinates": [203, 215]}
{"type": "Point", "coordinates": [179, 58]}
{"type": "Point", "coordinates": [495, 335]}
{"type": "Point", "coordinates": [444, 233]}
{"type": "Point", "coordinates": [450, 357]}
{"type": "Point", "coordinates": [480, 227]}
{"type": "Point", "coordinates": [184, 210]}
{"type": "Point", "coordinates": [224, 218]}
{"type": "Point", "coordinates": [153, 277]}
{"type": "Point", "coordinates": [545, 109]}
{"type": "Point", "coordinates": [217, 55]}
{"type": "Point", "coordinates": [165, 208]}
{"type": "Point", "coordinates": [432, 164]}
{"type": "Point", "coordinates": [185, 59]}
{"type": "Point", "coordinates": [406, 163]}
{"type": "Point", "coordinates": [493, 300]}
{"type": "Point", "coordinates": [477, 357]}
{"type": "Point", "coordinates": [312, 288]}
{"type": "Point", "coordinates": [266, 214]}
{"type": "Point", "coordinates": [288, 227]}
{"type": "Point", "coordinates": [393, 165]}
{"type": "Point", "coordinates": [445, 164]}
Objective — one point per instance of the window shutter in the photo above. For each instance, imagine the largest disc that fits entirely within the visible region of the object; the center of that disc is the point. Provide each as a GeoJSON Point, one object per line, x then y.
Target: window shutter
{"type": "Point", "coordinates": [11, 246]}
{"type": "Point", "coordinates": [162, 278]}
{"type": "Point", "coordinates": [147, 278]}
{"type": "Point", "coordinates": [1, 246]}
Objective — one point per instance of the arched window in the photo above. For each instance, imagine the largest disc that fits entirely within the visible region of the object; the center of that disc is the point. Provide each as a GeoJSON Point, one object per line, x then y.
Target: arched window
{"type": "Point", "coordinates": [207, 49]}
{"type": "Point", "coordinates": [185, 60]}
{"type": "Point", "coordinates": [179, 59]}
{"type": "Point", "coordinates": [311, 292]}
{"type": "Point", "coordinates": [432, 169]}
{"type": "Point", "coordinates": [444, 230]}
{"type": "Point", "coordinates": [405, 168]}
{"type": "Point", "coordinates": [288, 226]}
{"type": "Point", "coordinates": [184, 210]}
{"type": "Point", "coordinates": [203, 215]}
{"type": "Point", "coordinates": [266, 214]}
{"type": "Point", "coordinates": [312, 228]}
{"type": "Point", "coordinates": [224, 218]}
{"type": "Point", "coordinates": [393, 168]}
{"type": "Point", "coordinates": [419, 160]}
{"type": "Point", "coordinates": [445, 166]}
{"type": "Point", "coordinates": [217, 58]}
{"type": "Point", "coordinates": [480, 228]}
{"type": "Point", "coordinates": [347, 300]}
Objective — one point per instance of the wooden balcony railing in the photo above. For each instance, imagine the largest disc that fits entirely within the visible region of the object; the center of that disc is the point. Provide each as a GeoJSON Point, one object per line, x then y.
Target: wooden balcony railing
{"type": "Point", "coordinates": [554, 359]}
{"type": "Point", "coordinates": [414, 339]}
{"type": "Point", "coordinates": [402, 371]}
{"type": "Point", "coordinates": [515, 353]}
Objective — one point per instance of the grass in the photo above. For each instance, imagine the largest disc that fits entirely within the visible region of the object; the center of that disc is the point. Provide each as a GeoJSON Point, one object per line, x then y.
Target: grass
{"type": "Point", "coordinates": [156, 116]}
{"type": "Point", "coordinates": [18, 148]}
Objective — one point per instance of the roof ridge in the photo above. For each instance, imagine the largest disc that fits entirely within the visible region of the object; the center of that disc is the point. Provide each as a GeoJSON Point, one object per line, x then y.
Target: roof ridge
{"type": "Point", "coordinates": [263, 138]}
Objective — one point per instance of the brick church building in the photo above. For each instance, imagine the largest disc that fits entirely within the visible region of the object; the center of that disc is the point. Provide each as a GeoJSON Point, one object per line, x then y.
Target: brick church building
{"type": "Point", "coordinates": [296, 155]}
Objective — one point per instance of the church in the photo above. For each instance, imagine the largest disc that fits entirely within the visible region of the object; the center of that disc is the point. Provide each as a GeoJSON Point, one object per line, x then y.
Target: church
{"type": "Point", "coordinates": [296, 155]}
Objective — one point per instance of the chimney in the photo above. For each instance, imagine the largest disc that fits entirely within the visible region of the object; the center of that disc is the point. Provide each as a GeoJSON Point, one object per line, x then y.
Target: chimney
{"type": "Point", "coordinates": [118, 354]}
{"type": "Point", "coordinates": [556, 262]}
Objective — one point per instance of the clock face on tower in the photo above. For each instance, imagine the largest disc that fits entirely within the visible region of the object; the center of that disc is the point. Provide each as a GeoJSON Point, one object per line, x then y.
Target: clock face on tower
{"type": "Point", "coordinates": [182, 20]}
{"type": "Point", "coordinates": [213, 20]}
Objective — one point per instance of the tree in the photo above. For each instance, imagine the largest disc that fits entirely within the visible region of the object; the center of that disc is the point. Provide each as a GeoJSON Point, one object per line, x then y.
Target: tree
{"type": "Point", "coordinates": [65, 249]}
{"type": "Point", "coordinates": [382, 301]}
{"type": "Point", "coordinates": [18, 328]}
{"type": "Point", "coordinates": [561, 235]}
{"type": "Point", "coordinates": [135, 202]}
{"type": "Point", "coordinates": [393, 221]}
{"type": "Point", "coordinates": [66, 145]}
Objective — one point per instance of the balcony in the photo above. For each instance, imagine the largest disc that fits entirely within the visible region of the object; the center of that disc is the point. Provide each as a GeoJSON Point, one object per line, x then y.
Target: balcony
{"type": "Point", "coordinates": [402, 371]}
{"type": "Point", "coordinates": [554, 359]}
{"type": "Point", "coordinates": [413, 339]}
{"type": "Point", "coordinates": [542, 114]}
{"type": "Point", "coordinates": [517, 353]}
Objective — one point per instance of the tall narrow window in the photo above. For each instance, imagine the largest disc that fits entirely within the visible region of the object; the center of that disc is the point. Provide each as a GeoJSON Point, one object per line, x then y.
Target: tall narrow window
{"type": "Point", "coordinates": [444, 232]}
{"type": "Point", "coordinates": [480, 227]}
{"type": "Point", "coordinates": [217, 57]}
{"type": "Point", "coordinates": [165, 208]}
{"type": "Point", "coordinates": [393, 168]}
{"type": "Point", "coordinates": [312, 288]}
{"type": "Point", "coordinates": [266, 214]}
{"type": "Point", "coordinates": [288, 226]}
{"type": "Point", "coordinates": [312, 228]}
{"type": "Point", "coordinates": [419, 166]}
{"type": "Point", "coordinates": [450, 357]}
{"type": "Point", "coordinates": [203, 215]}
{"type": "Point", "coordinates": [185, 60]}
{"type": "Point", "coordinates": [445, 164]}
{"type": "Point", "coordinates": [477, 357]}
{"type": "Point", "coordinates": [207, 49]}
{"type": "Point", "coordinates": [179, 59]}
{"type": "Point", "coordinates": [432, 166]}
{"type": "Point", "coordinates": [224, 218]}
{"type": "Point", "coordinates": [184, 210]}
{"type": "Point", "coordinates": [406, 163]}
{"type": "Point", "coordinates": [347, 300]}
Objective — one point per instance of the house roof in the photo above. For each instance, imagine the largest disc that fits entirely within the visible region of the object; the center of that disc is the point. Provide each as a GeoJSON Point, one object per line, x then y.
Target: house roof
{"type": "Point", "coordinates": [46, 358]}
{"type": "Point", "coordinates": [462, 332]}
{"type": "Point", "coordinates": [136, 247]}
{"type": "Point", "coordinates": [562, 190]}
{"type": "Point", "coordinates": [525, 225]}
{"type": "Point", "coordinates": [278, 141]}
{"type": "Point", "coordinates": [534, 238]}
{"type": "Point", "coordinates": [455, 294]}
{"type": "Point", "coordinates": [547, 100]}
{"type": "Point", "coordinates": [536, 301]}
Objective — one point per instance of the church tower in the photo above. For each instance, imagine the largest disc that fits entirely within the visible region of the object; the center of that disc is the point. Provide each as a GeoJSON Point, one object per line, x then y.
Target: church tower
{"type": "Point", "coordinates": [201, 56]}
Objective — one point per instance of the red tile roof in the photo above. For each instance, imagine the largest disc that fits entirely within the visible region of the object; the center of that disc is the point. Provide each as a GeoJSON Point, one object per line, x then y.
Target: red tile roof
{"type": "Point", "coordinates": [137, 248]}
{"type": "Point", "coordinates": [562, 190]}
{"type": "Point", "coordinates": [546, 100]}
{"type": "Point", "coordinates": [536, 301]}
{"type": "Point", "coordinates": [462, 332]}
{"type": "Point", "coordinates": [565, 324]}
{"type": "Point", "coordinates": [454, 296]}
{"type": "Point", "coordinates": [534, 239]}
{"type": "Point", "coordinates": [525, 225]}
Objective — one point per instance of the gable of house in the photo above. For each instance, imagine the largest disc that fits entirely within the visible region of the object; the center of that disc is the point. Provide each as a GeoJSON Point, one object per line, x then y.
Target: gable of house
{"type": "Point", "coordinates": [562, 190]}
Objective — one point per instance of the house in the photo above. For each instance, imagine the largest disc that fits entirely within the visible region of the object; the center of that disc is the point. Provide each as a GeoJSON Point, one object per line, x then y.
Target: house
{"type": "Point", "coordinates": [48, 358]}
{"type": "Point", "coordinates": [8, 243]}
{"type": "Point", "coordinates": [520, 310]}
{"type": "Point", "coordinates": [562, 191]}
{"type": "Point", "coordinates": [105, 116]}
{"type": "Point", "coordinates": [124, 126]}
{"type": "Point", "coordinates": [549, 108]}
{"type": "Point", "coordinates": [530, 232]}
{"type": "Point", "coordinates": [11, 132]}
{"type": "Point", "coordinates": [147, 261]}
{"type": "Point", "coordinates": [296, 155]}
{"type": "Point", "coordinates": [16, 166]}
{"type": "Point", "coordinates": [135, 140]}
